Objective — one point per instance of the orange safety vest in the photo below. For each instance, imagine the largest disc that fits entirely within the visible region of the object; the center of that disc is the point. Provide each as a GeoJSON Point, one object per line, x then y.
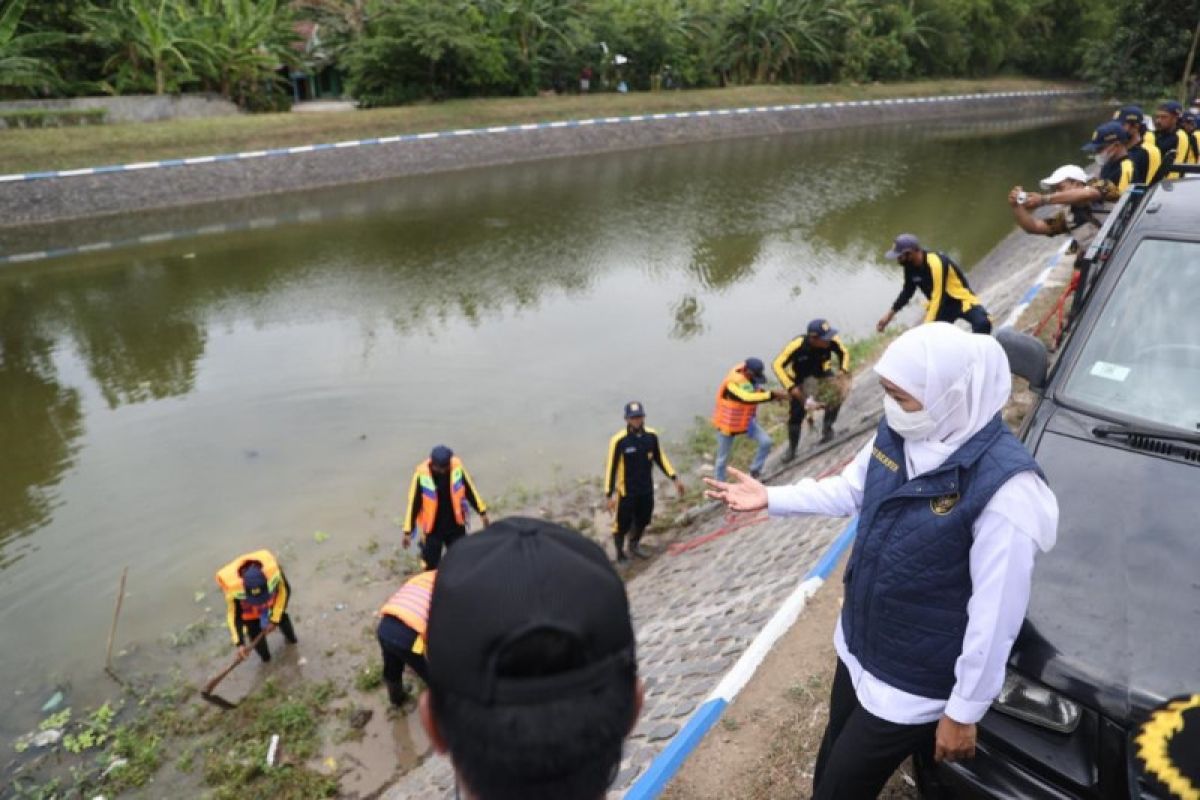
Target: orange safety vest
{"type": "Point", "coordinates": [410, 605]}
{"type": "Point", "coordinates": [229, 577]}
{"type": "Point", "coordinates": [732, 416]}
{"type": "Point", "coordinates": [429, 494]}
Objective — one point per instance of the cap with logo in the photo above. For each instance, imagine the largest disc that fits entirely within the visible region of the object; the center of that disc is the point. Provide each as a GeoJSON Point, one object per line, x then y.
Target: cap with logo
{"type": "Point", "coordinates": [1067, 172]}
{"type": "Point", "coordinates": [522, 577]}
{"type": "Point", "coordinates": [634, 409]}
{"type": "Point", "coordinates": [1171, 107]}
{"type": "Point", "coordinates": [1106, 134]}
{"type": "Point", "coordinates": [822, 329]}
{"type": "Point", "coordinates": [903, 243]}
{"type": "Point", "coordinates": [255, 584]}
{"type": "Point", "coordinates": [1132, 114]}
{"type": "Point", "coordinates": [440, 456]}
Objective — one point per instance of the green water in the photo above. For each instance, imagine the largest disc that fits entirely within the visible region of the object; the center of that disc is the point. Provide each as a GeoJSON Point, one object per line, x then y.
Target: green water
{"type": "Point", "coordinates": [171, 406]}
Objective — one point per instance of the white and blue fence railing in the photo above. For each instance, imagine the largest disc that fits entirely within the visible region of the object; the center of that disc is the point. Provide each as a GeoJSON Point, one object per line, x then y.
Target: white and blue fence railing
{"type": "Point", "coordinates": [663, 768]}
{"type": "Point", "coordinates": [516, 128]}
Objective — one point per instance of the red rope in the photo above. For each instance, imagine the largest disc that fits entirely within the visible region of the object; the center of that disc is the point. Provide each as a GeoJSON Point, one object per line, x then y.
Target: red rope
{"type": "Point", "coordinates": [735, 520]}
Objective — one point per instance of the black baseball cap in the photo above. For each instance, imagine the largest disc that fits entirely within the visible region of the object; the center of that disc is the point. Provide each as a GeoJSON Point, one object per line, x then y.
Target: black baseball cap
{"type": "Point", "coordinates": [521, 576]}
{"type": "Point", "coordinates": [756, 369]}
{"type": "Point", "coordinates": [1171, 107]}
{"type": "Point", "coordinates": [821, 328]}
{"type": "Point", "coordinates": [634, 409]}
{"type": "Point", "coordinates": [902, 244]}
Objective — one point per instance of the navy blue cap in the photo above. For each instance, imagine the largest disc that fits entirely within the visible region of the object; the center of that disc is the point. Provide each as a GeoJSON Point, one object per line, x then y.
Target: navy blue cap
{"type": "Point", "coordinates": [754, 366]}
{"type": "Point", "coordinates": [1171, 106]}
{"type": "Point", "coordinates": [440, 456]}
{"type": "Point", "coordinates": [903, 243]}
{"type": "Point", "coordinates": [1130, 114]}
{"type": "Point", "coordinates": [1188, 116]}
{"type": "Point", "coordinates": [258, 590]}
{"type": "Point", "coordinates": [822, 328]}
{"type": "Point", "coordinates": [634, 409]}
{"type": "Point", "coordinates": [1105, 135]}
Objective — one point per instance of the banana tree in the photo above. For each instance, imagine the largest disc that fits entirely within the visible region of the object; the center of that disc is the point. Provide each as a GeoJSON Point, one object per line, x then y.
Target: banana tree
{"type": "Point", "coordinates": [19, 65]}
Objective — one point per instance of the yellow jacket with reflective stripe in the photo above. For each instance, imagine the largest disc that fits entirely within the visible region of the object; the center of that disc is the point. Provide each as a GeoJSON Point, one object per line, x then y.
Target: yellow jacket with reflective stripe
{"type": "Point", "coordinates": [229, 578]}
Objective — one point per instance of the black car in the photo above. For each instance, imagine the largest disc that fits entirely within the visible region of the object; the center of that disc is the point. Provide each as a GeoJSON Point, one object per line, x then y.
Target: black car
{"type": "Point", "coordinates": [1114, 619]}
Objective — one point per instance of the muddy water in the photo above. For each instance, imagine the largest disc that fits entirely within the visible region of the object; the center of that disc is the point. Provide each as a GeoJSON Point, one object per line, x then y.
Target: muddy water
{"type": "Point", "coordinates": [169, 406]}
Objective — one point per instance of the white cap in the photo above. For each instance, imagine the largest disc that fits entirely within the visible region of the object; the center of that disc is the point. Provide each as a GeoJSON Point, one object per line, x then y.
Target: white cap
{"type": "Point", "coordinates": [1067, 172]}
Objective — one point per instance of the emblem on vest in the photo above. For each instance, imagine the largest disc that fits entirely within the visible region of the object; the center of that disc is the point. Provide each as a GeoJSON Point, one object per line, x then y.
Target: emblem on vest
{"type": "Point", "coordinates": [887, 462]}
{"type": "Point", "coordinates": [944, 505]}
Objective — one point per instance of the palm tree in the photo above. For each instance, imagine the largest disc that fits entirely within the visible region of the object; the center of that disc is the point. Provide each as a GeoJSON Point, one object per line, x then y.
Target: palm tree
{"type": "Point", "coordinates": [18, 66]}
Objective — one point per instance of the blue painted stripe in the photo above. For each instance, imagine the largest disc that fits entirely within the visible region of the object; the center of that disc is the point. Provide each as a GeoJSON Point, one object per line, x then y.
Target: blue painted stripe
{"type": "Point", "coordinates": [532, 126]}
{"type": "Point", "coordinates": [1031, 293]}
{"type": "Point", "coordinates": [834, 553]}
{"type": "Point", "coordinates": [663, 768]}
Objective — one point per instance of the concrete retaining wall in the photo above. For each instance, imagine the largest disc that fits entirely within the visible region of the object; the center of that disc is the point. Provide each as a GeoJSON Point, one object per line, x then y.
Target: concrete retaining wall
{"type": "Point", "coordinates": [162, 185]}
{"type": "Point", "coordinates": [136, 108]}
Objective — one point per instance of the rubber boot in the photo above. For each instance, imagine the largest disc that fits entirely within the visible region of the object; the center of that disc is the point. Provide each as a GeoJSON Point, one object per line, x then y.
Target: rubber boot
{"type": "Point", "coordinates": [794, 431]}
{"type": "Point", "coordinates": [396, 692]}
{"type": "Point", "coordinates": [827, 431]}
{"type": "Point", "coordinates": [635, 545]}
{"type": "Point", "coordinates": [619, 546]}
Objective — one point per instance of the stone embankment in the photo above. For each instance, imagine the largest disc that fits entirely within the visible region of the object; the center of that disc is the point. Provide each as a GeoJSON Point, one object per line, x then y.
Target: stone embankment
{"type": "Point", "coordinates": [156, 185]}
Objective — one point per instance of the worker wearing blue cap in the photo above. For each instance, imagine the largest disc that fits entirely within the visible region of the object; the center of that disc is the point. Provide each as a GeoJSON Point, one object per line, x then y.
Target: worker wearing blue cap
{"type": "Point", "coordinates": [1145, 155]}
{"type": "Point", "coordinates": [633, 453]}
{"type": "Point", "coordinates": [1109, 147]}
{"type": "Point", "coordinates": [814, 369]}
{"type": "Point", "coordinates": [941, 280]}
{"type": "Point", "coordinates": [439, 498]}
{"type": "Point", "coordinates": [1172, 140]}
{"type": "Point", "coordinates": [738, 398]}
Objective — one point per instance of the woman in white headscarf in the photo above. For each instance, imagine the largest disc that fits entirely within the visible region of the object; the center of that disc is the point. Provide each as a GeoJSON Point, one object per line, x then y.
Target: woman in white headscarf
{"type": "Point", "coordinates": [952, 512]}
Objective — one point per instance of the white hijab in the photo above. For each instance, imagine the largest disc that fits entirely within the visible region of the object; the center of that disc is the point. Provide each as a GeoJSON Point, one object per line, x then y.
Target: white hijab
{"type": "Point", "coordinates": [962, 379]}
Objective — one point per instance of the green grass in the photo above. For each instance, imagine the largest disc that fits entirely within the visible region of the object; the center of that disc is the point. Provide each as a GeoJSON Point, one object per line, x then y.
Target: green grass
{"type": "Point", "coordinates": [27, 150]}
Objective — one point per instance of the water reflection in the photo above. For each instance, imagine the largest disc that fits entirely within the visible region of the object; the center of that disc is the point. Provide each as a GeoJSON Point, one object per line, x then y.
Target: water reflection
{"type": "Point", "coordinates": [40, 423]}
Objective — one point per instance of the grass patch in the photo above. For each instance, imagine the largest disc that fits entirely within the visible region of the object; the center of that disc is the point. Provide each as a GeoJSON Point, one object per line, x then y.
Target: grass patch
{"type": "Point", "coordinates": [24, 150]}
{"type": "Point", "coordinates": [369, 678]}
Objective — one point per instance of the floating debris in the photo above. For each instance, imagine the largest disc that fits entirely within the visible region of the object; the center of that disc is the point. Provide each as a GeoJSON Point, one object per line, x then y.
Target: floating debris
{"type": "Point", "coordinates": [116, 764]}
{"type": "Point", "coordinates": [272, 750]}
{"type": "Point", "coordinates": [54, 702]}
{"type": "Point", "coordinates": [320, 536]}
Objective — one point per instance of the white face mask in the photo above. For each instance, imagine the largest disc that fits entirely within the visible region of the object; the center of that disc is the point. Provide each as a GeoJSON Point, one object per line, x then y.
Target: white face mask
{"type": "Point", "coordinates": [915, 426]}
{"type": "Point", "coordinates": [1102, 158]}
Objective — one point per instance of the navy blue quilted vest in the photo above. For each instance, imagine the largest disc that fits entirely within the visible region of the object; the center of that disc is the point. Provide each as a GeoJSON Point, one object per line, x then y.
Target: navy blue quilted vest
{"type": "Point", "coordinates": [908, 579]}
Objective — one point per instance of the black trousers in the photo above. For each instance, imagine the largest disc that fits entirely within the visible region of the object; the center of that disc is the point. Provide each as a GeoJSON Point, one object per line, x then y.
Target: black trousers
{"type": "Point", "coordinates": [396, 641]}
{"type": "Point", "coordinates": [253, 627]}
{"type": "Point", "coordinates": [860, 751]}
{"type": "Point", "coordinates": [979, 320]}
{"type": "Point", "coordinates": [433, 544]}
{"type": "Point", "coordinates": [633, 517]}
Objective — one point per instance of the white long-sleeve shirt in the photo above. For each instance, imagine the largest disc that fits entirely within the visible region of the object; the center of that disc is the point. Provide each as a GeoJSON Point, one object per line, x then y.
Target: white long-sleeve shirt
{"type": "Point", "coordinates": [1021, 517]}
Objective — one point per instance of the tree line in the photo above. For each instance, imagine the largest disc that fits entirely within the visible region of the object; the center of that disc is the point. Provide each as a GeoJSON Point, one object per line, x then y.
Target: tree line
{"type": "Point", "coordinates": [398, 51]}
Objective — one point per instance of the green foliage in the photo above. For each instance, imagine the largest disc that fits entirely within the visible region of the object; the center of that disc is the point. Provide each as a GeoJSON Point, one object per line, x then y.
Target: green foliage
{"type": "Point", "coordinates": [143, 753]}
{"type": "Point", "coordinates": [1147, 51]}
{"type": "Point", "coordinates": [369, 678]}
{"type": "Point", "coordinates": [52, 118]}
{"type": "Point", "coordinates": [56, 720]}
{"type": "Point", "coordinates": [23, 62]}
{"type": "Point", "coordinates": [92, 732]}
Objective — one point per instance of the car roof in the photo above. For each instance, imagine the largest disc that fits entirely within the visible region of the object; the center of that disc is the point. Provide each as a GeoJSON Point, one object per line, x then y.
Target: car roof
{"type": "Point", "coordinates": [1171, 207]}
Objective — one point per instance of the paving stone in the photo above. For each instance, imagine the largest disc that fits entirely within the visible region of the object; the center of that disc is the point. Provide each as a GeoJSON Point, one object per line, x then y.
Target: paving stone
{"type": "Point", "coordinates": [661, 731]}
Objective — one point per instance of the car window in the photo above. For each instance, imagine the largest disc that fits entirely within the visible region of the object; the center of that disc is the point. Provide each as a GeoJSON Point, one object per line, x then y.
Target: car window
{"type": "Point", "coordinates": [1141, 360]}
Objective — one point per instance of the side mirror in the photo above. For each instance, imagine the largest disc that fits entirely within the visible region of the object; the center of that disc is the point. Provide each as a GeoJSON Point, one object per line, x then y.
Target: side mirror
{"type": "Point", "coordinates": [1027, 356]}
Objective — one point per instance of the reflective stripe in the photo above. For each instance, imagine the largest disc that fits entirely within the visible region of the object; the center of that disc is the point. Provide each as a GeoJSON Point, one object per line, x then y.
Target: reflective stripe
{"type": "Point", "coordinates": [410, 603]}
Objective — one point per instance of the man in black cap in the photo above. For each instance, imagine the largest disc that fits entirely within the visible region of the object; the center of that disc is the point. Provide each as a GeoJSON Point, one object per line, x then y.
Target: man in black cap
{"type": "Point", "coordinates": [814, 369]}
{"type": "Point", "coordinates": [533, 682]}
{"type": "Point", "coordinates": [738, 398]}
{"type": "Point", "coordinates": [941, 280]}
{"type": "Point", "coordinates": [438, 500]}
{"type": "Point", "coordinates": [1145, 155]}
{"type": "Point", "coordinates": [1170, 138]}
{"type": "Point", "coordinates": [629, 473]}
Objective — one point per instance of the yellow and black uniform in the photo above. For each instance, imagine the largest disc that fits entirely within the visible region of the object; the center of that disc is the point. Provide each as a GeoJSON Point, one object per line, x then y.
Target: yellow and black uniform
{"type": "Point", "coordinates": [950, 297]}
{"type": "Point", "coordinates": [632, 455]}
{"type": "Point", "coordinates": [1153, 160]}
{"type": "Point", "coordinates": [246, 619]}
{"type": "Point", "coordinates": [437, 504]}
{"type": "Point", "coordinates": [1176, 148]}
{"type": "Point", "coordinates": [401, 633]}
{"type": "Point", "coordinates": [812, 368]}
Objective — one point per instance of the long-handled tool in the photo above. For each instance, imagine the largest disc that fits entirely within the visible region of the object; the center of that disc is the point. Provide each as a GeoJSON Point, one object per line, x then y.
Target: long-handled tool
{"type": "Point", "coordinates": [207, 691]}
